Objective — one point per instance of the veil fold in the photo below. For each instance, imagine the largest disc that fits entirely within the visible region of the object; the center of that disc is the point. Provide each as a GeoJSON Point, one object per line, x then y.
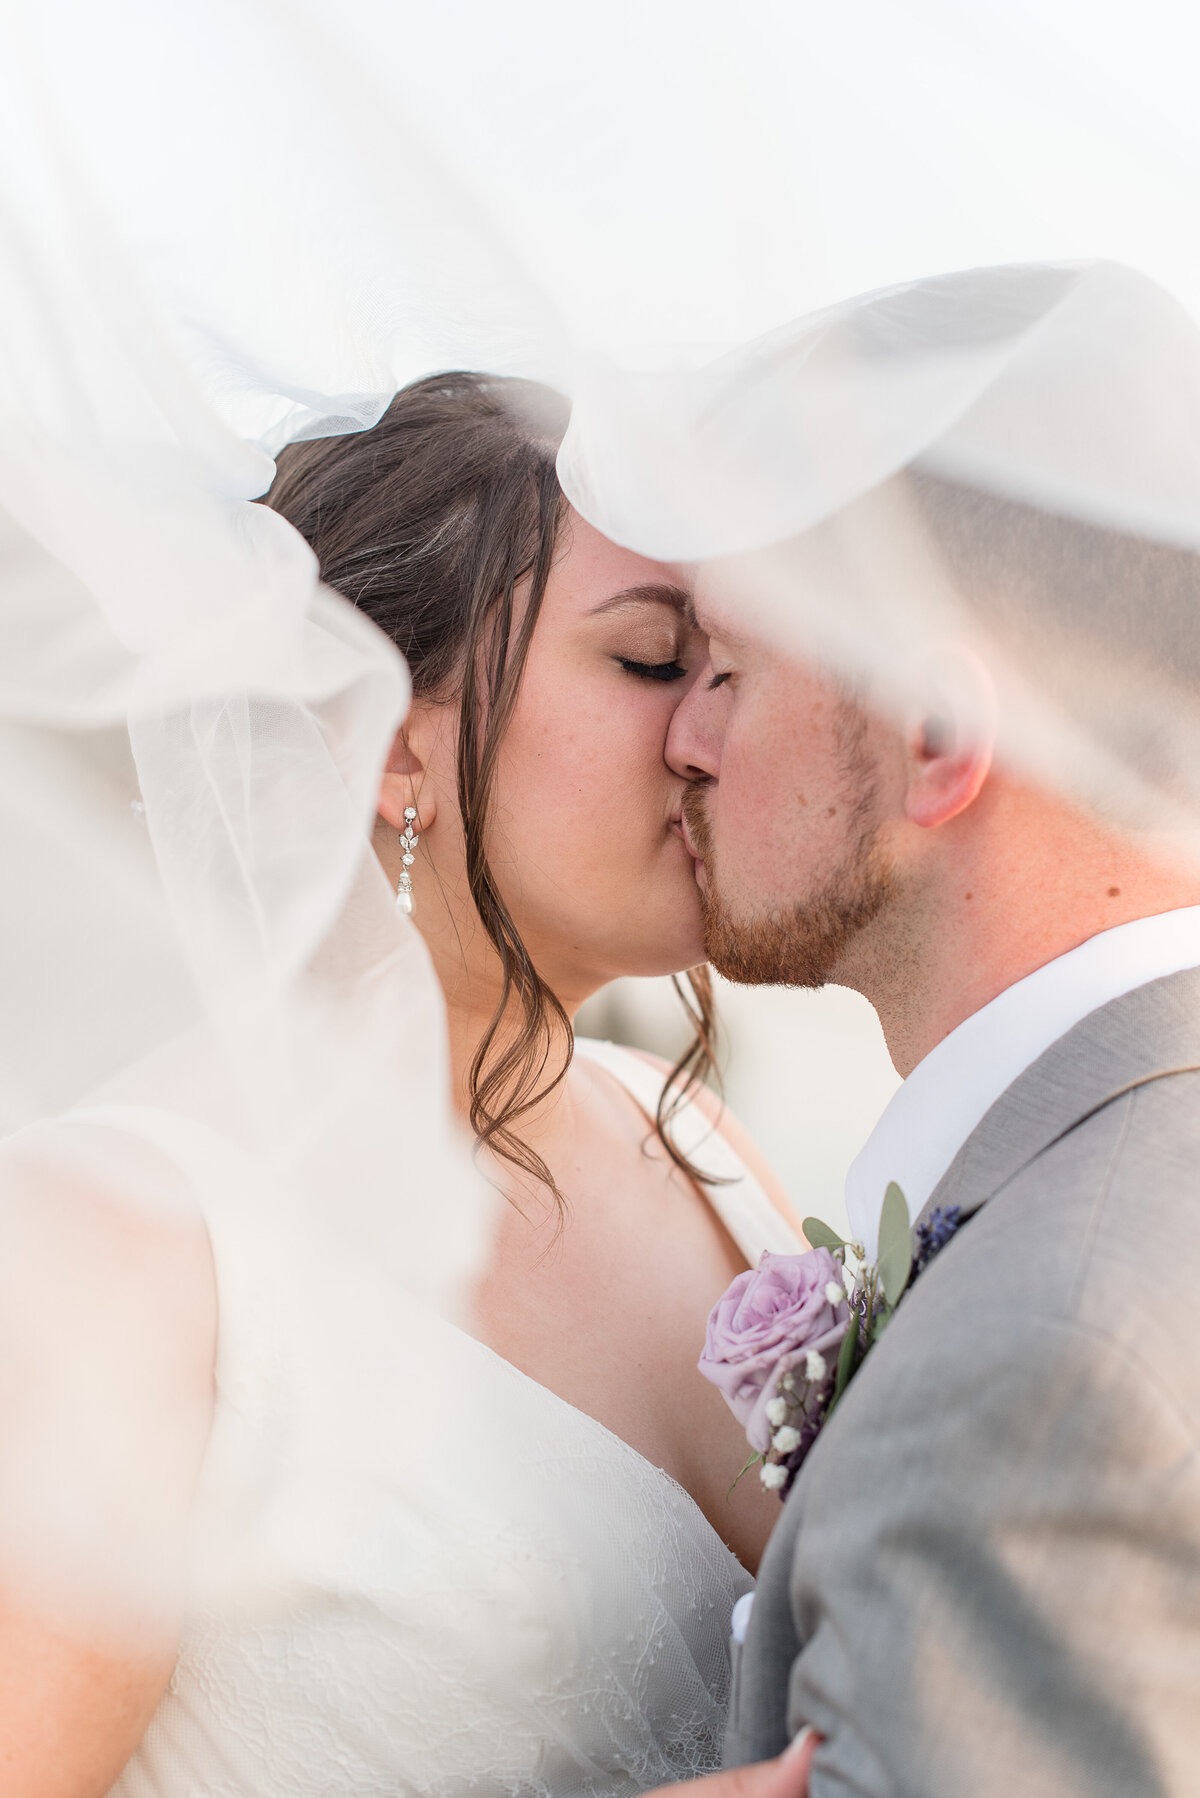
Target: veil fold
{"type": "Point", "coordinates": [824, 468]}
{"type": "Point", "coordinates": [230, 226]}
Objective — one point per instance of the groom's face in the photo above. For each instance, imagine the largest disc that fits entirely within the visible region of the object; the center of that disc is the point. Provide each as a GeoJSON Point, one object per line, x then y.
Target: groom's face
{"type": "Point", "coordinates": [784, 811]}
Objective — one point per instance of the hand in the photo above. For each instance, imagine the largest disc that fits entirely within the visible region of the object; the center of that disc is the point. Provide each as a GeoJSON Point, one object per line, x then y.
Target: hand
{"type": "Point", "coordinates": [784, 1777]}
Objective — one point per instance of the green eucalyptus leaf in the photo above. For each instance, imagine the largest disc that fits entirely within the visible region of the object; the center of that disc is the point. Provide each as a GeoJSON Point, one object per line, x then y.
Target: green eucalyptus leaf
{"type": "Point", "coordinates": [820, 1236]}
{"type": "Point", "coordinates": [895, 1245]}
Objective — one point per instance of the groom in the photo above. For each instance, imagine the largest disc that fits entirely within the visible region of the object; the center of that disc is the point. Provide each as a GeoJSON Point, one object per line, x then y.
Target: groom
{"type": "Point", "coordinates": [986, 1579]}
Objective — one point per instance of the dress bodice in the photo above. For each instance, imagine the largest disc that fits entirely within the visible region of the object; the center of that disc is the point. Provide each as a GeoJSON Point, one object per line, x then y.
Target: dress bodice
{"type": "Point", "coordinates": [509, 1600]}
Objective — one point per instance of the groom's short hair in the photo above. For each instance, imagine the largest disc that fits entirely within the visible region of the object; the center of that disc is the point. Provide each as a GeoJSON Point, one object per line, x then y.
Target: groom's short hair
{"type": "Point", "coordinates": [1107, 619]}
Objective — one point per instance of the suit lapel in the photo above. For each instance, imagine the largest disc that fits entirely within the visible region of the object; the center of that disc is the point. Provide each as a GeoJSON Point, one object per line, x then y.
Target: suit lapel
{"type": "Point", "coordinates": [1145, 1035]}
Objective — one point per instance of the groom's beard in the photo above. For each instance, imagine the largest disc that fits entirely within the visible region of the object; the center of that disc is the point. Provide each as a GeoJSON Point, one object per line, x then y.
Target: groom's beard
{"type": "Point", "coordinates": [801, 945]}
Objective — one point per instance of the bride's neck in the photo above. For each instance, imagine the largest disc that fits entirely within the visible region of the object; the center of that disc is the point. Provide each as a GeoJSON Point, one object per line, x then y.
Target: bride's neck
{"type": "Point", "coordinates": [471, 1002]}
{"type": "Point", "coordinates": [469, 972]}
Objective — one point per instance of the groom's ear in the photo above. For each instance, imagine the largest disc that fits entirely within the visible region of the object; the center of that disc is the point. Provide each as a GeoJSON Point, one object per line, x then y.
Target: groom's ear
{"type": "Point", "coordinates": [953, 740]}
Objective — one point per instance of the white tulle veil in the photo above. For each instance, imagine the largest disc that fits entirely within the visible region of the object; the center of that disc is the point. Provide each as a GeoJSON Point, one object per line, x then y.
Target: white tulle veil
{"type": "Point", "coordinates": [226, 227]}
{"type": "Point", "coordinates": [1058, 401]}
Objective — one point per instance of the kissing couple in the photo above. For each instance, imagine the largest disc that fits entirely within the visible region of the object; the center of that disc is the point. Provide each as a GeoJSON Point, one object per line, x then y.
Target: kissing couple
{"type": "Point", "coordinates": [848, 717]}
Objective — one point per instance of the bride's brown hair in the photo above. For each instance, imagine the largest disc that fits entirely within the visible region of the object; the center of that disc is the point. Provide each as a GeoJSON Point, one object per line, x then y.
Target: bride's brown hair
{"type": "Point", "coordinates": [430, 523]}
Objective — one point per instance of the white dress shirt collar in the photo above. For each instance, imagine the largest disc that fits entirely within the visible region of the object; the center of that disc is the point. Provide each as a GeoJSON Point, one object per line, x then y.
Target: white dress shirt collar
{"type": "Point", "coordinates": [932, 1114]}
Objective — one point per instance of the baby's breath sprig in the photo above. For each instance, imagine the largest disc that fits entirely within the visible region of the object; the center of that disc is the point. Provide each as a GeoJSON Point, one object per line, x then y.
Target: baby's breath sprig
{"type": "Point", "coordinates": [806, 1396]}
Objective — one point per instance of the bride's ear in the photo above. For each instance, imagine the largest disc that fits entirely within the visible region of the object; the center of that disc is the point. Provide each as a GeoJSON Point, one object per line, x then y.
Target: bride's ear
{"type": "Point", "coordinates": [404, 783]}
{"type": "Point", "coordinates": [952, 743]}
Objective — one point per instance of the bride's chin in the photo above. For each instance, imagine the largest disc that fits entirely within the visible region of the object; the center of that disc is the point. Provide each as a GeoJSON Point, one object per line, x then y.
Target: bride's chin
{"type": "Point", "coordinates": [655, 954]}
{"type": "Point", "coordinates": [657, 926]}
{"type": "Point", "coordinates": [686, 933]}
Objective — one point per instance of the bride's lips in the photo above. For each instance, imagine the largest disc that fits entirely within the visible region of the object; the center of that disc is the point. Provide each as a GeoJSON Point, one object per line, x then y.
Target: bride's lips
{"type": "Point", "coordinates": [698, 870]}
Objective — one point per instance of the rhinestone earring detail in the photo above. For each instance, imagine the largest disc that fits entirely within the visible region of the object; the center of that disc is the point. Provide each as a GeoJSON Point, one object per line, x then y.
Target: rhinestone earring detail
{"type": "Point", "coordinates": [408, 842]}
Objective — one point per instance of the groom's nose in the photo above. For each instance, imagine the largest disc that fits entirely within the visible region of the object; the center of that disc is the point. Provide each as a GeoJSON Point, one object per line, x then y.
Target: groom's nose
{"type": "Point", "coordinates": [693, 747]}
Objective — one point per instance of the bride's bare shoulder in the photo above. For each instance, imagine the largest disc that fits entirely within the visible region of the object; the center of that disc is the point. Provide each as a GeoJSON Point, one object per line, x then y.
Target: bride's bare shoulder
{"type": "Point", "coordinates": [107, 1342]}
{"type": "Point", "coordinates": [108, 1309]}
{"type": "Point", "coordinates": [98, 1224]}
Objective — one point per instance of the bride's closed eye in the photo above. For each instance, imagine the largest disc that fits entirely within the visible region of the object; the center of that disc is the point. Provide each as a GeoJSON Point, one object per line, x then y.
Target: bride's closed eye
{"type": "Point", "coordinates": [664, 671]}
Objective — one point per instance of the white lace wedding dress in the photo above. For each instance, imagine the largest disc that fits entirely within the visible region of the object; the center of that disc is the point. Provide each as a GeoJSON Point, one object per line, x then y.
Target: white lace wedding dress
{"type": "Point", "coordinates": [543, 1612]}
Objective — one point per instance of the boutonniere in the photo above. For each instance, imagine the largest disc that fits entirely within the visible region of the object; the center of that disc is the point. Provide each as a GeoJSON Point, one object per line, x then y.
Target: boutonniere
{"type": "Point", "coordinates": [787, 1337]}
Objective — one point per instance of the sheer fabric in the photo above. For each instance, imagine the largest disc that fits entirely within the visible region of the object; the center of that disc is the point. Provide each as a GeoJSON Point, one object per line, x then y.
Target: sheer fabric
{"type": "Point", "coordinates": [516, 1604]}
{"type": "Point", "coordinates": [820, 471]}
{"type": "Point", "coordinates": [230, 225]}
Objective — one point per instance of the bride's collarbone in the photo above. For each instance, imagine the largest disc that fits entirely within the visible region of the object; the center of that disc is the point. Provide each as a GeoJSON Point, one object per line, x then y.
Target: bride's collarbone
{"type": "Point", "coordinates": [603, 1298]}
{"type": "Point", "coordinates": [622, 1205]}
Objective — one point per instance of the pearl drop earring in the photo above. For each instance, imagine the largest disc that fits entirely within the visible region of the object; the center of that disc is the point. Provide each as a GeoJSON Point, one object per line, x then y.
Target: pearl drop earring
{"type": "Point", "coordinates": [408, 842]}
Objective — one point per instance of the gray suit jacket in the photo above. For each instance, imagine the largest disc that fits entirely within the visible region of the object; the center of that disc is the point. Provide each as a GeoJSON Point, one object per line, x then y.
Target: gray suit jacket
{"type": "Point", "coordinates": [987, 1577]}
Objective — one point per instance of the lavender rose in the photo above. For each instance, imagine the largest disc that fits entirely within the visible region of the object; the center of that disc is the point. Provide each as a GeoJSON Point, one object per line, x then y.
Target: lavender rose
{"type": "Point", "coordinates": [771, 1318]}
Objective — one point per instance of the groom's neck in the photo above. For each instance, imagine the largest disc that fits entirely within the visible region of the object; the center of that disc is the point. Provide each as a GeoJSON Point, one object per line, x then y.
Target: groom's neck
{"type": "Point", "coordinates": [980, 908]}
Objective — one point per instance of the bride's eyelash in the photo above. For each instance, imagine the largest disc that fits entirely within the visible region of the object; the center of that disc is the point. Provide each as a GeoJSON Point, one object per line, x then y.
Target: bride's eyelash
{"type": "Point", "coordinates": [664, 671]}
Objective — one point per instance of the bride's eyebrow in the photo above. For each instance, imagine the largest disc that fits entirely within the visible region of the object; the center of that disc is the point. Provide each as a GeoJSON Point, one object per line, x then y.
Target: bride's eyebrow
{"type": "Point", "coordinates": [651, 594]}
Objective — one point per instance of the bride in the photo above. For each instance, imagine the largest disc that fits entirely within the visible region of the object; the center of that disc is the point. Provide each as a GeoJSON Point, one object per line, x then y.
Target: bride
{"type": "Point", "coordinates": [566, 1630]}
